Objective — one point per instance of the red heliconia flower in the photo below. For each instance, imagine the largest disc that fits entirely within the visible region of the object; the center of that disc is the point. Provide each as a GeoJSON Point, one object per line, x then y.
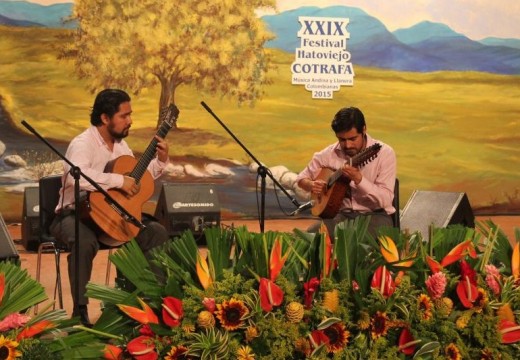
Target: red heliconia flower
{"type": "Point", "coordinates": [467, 292]}
{"type": "Point", "coordinates": [318, 338]}
{"type": "Point", "coordinates": [467, 271]}
{"type": "Point", "coordinates": [142, 348]}
{"type": "Point", "coordinates": [407, 342]}
{"type": "Point", "coordinates": [112, 352]}
{"type": "Point", "coordinates": [270, 295]}
{"type": "Point", "coordinates": [310, 288]}
{"type": "Point", "coordinates": [172, 311]}
{"type": "Point", "coordinates": [433, 264]}
{"type": "Point", "coordinates": [382, 281]}
{"type": "Point", "coordinates": [35, 329]}
{"type": "Point", "coordinates": [459, 252]}
{"type": "Point", "coordinates": [146, 330]}
{"type": "Point", "coordinates": [510, 331]}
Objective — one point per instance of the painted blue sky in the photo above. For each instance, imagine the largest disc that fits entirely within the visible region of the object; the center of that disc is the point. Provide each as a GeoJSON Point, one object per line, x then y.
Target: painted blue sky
{"type": "Point", "coordinates": [476, 19]}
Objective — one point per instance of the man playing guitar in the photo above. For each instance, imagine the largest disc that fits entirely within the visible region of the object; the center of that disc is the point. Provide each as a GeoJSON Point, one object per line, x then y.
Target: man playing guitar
{"type": "Point", "coordinates": [91, 151]}
{"type": "Point", "coordinates": [368, 187]}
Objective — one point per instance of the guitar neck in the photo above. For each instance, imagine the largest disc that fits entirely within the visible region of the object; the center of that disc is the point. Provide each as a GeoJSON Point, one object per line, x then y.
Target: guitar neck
{"type": "Point", "coordinates": [149, 153]}
{"type": "Point", "coordinates": [357, 160]}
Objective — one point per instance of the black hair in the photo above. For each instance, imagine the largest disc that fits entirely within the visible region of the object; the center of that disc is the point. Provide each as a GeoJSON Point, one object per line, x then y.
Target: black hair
{"type": "Point", "coordinates": [348, 118]}
{"type": "Point", "coordinates": [107, 102]}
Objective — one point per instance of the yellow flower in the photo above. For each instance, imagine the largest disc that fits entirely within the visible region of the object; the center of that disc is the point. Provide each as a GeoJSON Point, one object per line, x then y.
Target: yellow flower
{"type": "Point", "coordinates": [245, 353]}
{"type": "Point", "coordinates": [251, 333]}
{"type": "Point", "coordinates": [231, 314]}
{"type": "Point", "coordinates": [425, 307]}
{"type": "Point", "coordinates": [453, 352]}
{"type": "Point", "coordinates": [294, 312]}
{"type": "Point", "coordinates": [379, 324]}
{"type": "Point", "coordinates": [364, 320]}
{"type": "Point", "coordinates": [206, 319]}
{"type": "Point", "coordinates": [8, 349]}
{"type": "Point", "coordinates": [331, 300]}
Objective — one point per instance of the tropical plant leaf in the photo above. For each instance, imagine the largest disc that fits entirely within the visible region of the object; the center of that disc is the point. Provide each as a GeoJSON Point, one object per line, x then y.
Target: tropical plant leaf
{"type": "Point", "coordinates": [21, 291]}
{"type": "Point", "coordinates": [131, 262]}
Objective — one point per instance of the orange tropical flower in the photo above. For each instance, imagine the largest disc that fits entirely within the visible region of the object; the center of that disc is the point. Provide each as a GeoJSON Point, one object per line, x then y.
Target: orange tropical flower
{"type": "Point", "coordinates": [327, 250]}
{"type": "Point", "coordinates": [277, 260]}
{"type": "Point", "coordinates": [458, 252]}
{"type": "Point", "coordinates": [144, 316]}
{"type": "Point", "coordinates": [391, 253]}
{"type": "Point", "coordinates": [35, 329]}
{"type": "Point", "coordinates": [172, 311]}
{"type": "Point", "coordinates": [434, 265]}
{"type": "Point", "coordinates": [231, 314]}
{"type": "Point", "coordinates": [203, 271]}
{"type": "Point", "coordinates": [515, 261]}
{"type": "Point", "coordinates": [112, 352]}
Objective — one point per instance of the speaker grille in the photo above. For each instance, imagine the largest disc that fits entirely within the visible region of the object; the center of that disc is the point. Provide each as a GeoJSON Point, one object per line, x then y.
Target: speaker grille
{"type": "Point", "coordinates": [425, 208]}
{"type": "Point", "coordinates": [7, 249]}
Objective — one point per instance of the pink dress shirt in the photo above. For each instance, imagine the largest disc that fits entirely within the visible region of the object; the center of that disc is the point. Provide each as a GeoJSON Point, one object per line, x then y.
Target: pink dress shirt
{"type": "Point", "coordinates": [90, 153]}
{"type": "Point", "coordinates": [376, 189]}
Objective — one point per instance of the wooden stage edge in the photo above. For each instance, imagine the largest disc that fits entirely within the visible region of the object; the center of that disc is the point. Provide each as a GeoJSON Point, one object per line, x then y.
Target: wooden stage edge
{"type": "Point", "coordinates": [29, 259]}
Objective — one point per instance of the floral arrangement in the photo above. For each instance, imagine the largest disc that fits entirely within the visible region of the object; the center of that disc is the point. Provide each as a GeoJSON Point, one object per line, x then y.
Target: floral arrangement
{"type": "Point", "coordinates": [302, 296]}
{"type": "Point", "coordinates": [49, 335]}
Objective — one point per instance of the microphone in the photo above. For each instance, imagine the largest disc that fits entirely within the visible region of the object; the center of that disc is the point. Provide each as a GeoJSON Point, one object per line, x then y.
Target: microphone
{"type": "Point", "coordinates": [303, 207]}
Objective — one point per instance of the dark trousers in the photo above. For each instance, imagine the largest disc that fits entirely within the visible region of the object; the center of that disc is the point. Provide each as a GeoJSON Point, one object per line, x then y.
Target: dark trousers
{"type": "Point", "coordinates": [63, 229]}
{"type": "Point", "coordinates": [377, 219]}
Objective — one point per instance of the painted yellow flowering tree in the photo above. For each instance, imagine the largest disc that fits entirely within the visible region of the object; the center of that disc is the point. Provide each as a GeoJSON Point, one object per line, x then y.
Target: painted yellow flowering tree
{"type": "Point", "coordinates": [215, 45]}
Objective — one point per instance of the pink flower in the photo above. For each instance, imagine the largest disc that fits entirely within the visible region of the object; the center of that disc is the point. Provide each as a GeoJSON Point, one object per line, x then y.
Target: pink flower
{"type": "Point", "coordinates": [209, 304]}
{"type": "Point", "coordinates": [492, 279]}
{"type": "Point", "coordinates": [436, 284]}
{"type": "Point", "coordinates": [13, 321]}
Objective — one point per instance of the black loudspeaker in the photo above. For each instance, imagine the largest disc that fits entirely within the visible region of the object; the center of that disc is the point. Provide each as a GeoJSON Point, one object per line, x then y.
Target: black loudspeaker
{"type": "Point", "coordinates": [441, 209]}
{"type": "Point", "coordinates": [184, 207]}
{"type": "Point", "coordinates": [7, 248]}
{"type": "Point", "coordinates": [31, 219]}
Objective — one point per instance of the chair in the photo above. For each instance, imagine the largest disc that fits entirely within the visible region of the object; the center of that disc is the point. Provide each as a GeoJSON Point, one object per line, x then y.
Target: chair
{"type": "Point", "coordinates": [49, 187]}
{"type": "Point", "coordinates": [396, 217]}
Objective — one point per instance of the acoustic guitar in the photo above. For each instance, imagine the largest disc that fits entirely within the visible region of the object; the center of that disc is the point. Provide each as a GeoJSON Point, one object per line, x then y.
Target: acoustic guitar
{"type": "Point", "coordinates": [107, 216]}
{"type": "Point", "coordinates": [328, 204]}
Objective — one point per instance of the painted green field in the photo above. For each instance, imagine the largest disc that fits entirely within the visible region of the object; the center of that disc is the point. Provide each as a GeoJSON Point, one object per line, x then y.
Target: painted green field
{"type": "Point", "coordinates": [452, 131]}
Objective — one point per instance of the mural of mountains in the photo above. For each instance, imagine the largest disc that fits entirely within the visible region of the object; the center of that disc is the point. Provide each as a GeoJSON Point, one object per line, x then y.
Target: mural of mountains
{"type": "Point", "coordinates": [23, 13]}
{"type": "Point", "coordinates": [423, 47]}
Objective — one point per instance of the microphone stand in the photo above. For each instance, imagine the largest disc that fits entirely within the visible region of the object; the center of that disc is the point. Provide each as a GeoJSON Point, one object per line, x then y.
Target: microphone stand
{"type": "Point", "coordinates": [76, 173]}
{"type": "Point", "coordinates": [262, 170]}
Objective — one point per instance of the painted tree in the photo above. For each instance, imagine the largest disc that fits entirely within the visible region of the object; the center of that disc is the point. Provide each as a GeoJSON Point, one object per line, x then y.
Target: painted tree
{"type": "Point", "coordinates": [217, 46]}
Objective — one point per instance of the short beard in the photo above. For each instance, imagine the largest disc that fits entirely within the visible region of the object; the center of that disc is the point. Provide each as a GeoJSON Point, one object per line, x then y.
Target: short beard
{"type": "Point", "coordinates": [118, 135]}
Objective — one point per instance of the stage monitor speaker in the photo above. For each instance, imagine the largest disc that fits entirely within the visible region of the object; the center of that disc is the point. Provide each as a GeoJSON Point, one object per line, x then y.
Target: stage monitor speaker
{"type": "Point", "coordinates": [31, 219]}
{"type": "Point", "coordinates": [7, 248]}
{"type": "Point", "coordinates": [441, 209]}
{"type": "Point", "coordinates": [182, 207]}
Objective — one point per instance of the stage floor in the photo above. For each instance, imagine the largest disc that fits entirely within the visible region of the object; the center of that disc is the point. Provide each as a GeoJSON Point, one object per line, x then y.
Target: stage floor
{"type": "Point", "coordinates": [29, 259]}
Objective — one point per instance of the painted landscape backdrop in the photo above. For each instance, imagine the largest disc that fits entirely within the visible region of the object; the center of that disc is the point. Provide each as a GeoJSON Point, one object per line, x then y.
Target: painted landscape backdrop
{"type": "Point", "coordinates": [448, 105]}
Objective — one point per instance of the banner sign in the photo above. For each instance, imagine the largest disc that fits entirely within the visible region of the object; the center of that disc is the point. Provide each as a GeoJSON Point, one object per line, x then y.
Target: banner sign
{"type": "Point", "coordinates": [322, 62]}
